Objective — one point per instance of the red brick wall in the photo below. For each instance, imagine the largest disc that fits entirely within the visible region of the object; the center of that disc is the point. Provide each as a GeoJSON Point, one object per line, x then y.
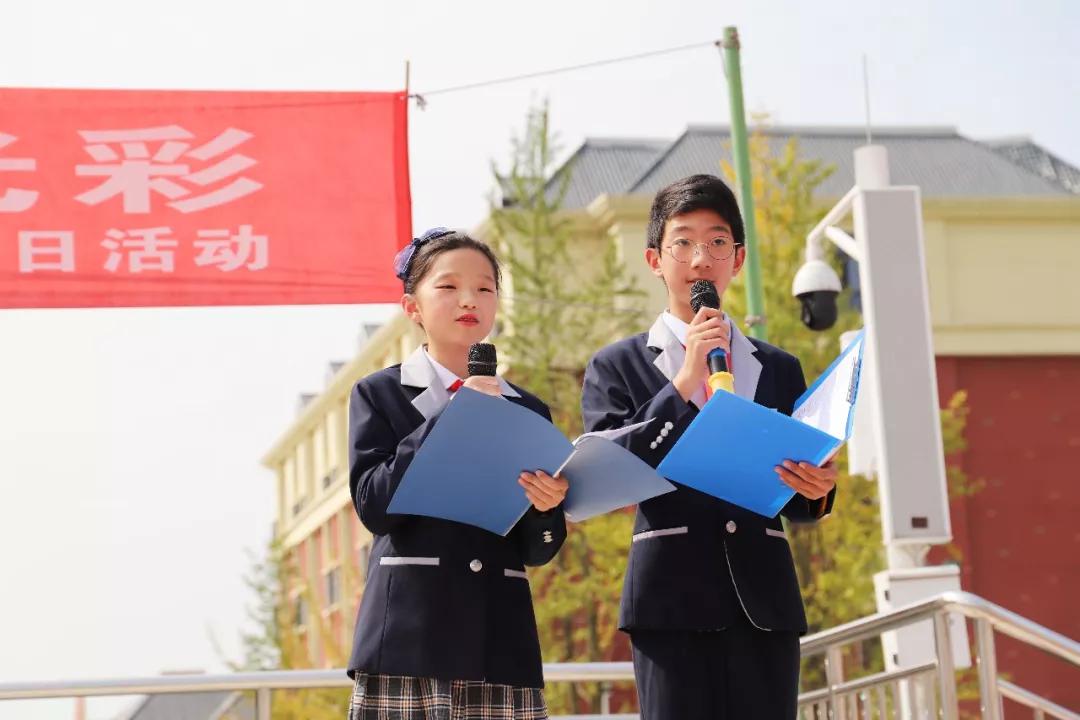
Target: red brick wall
{"type": "Point", "coordinates": [1020, 536]}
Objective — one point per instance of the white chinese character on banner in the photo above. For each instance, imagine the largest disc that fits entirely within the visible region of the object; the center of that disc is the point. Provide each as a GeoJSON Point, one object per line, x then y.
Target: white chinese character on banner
{"type": "Point", "coordinates": [13, 200]}
{"type": "Point", "coordinates": [138, 172]}
{"type": "Point", "coordinates": [229, 252]}
{"type": "Point", "coordinates": [145, 249]}
{"type": "Point", "coordinates": [46, 250]}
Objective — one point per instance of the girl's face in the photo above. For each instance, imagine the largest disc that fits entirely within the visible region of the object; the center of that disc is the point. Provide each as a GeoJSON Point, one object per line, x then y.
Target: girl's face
{"type": "Point", "coordinates": [695, 236]}
{"type": "Point", "coordinates": [455, 301]}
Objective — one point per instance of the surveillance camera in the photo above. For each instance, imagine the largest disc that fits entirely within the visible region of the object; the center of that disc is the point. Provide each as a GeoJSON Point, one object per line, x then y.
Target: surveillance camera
{"type": "Point", "coordinates": [817, 285]}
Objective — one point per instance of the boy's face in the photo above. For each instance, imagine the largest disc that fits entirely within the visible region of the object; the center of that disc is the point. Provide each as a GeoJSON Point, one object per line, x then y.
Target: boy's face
{"type": "Point", "coordinates": [697, 237]}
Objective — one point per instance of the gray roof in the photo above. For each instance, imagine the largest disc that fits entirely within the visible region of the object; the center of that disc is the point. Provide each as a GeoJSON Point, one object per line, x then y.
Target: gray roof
{"type": "Point", "coordinates": [939, 160]}
{"type": "Point", "coordinates": [607, 163]}
{"type": "Point", "coordinates": [1038, 160]}
{"type": "Point", "coordinates": [192, 706]}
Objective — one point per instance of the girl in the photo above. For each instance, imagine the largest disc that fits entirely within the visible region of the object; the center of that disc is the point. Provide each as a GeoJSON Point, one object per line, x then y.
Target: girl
{"type": "Point", "coordinates": [446, 627]}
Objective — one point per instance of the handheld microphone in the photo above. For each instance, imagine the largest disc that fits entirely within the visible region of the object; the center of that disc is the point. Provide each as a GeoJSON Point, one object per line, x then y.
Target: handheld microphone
{"type": "Point", "coordinates": [703, 294]}
{"type": "Point", "coordinates": [482, 359]}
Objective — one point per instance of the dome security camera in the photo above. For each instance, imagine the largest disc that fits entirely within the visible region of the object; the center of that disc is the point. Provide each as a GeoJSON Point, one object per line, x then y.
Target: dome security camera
{"type": "Point", "coordinates": [816, 285]}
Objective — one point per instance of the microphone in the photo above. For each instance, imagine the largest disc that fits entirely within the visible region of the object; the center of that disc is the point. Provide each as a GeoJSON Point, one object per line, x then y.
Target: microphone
{"type": "Point", "coordinates": [482, 359]}
{"type": "Point", "coordinates": [703, 294]}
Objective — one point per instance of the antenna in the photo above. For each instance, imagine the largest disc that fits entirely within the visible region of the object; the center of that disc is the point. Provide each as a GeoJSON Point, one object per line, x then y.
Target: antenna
{"type": "Point", "coordinates": [866, 98]}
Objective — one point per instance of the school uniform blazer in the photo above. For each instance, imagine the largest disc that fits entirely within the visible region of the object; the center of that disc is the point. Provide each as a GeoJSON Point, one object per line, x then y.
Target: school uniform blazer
{"type": "Point", "coordinates": [443, 599]}
{"type": "Point", "coordinates": [697, 562]}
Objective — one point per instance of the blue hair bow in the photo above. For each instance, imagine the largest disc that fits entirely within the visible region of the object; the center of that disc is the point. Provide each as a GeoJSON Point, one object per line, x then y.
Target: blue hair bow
{"type": "Point", "coordinates": [403, 260]}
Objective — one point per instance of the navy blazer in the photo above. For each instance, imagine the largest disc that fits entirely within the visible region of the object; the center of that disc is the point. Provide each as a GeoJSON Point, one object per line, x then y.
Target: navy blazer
{"type": "Point", "coordinates": [697, 562]}
{"type": "Point", "coordinates": [443, 599]}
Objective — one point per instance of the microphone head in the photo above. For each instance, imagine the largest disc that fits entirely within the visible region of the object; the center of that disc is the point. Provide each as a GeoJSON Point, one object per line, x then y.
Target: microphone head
{"type": "Point", "coordinates": [482, 359]}
{"type": "Point", "coordinates": [703, 294]}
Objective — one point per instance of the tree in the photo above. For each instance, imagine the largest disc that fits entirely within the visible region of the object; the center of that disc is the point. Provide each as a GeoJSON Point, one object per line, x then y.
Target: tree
{"type": "Point", "coordinates": [285, 609]}
{"type": "Point", "coordinates": [568, 295]}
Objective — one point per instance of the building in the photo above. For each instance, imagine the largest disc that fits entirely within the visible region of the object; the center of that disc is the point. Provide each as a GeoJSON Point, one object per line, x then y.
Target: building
{"type": "Point", "coordinates": [1002, 229]}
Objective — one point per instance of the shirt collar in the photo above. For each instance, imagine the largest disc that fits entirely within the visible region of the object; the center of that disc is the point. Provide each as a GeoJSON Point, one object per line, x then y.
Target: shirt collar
{"type": "Point", "coordinates": [446, 377]}
{"type": "Point", "coordinates": [679, 328]}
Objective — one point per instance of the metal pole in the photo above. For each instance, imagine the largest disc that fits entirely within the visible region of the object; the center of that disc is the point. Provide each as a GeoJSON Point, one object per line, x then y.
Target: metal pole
{"type": "Point", "coordinates": [988, 690]}
{"type": "Point", "coordinates": [262, 704]}
{"type": "Point", "coordinates": [605, 698]}
{"type": "Point", "coordinates": [834, 675]}
{"type": "Point", "coordinates": [740, 151]}
{"type": "Point", "coordinates": [946, 669]}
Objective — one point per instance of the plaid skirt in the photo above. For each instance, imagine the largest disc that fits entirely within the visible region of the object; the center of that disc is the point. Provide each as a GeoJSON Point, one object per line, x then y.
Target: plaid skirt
{"type": "Point", "coordinates": [393, 697]}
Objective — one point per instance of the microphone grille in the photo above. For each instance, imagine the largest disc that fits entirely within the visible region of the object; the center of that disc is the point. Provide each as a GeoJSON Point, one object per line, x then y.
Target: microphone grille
{"type": "Point", "coordinates": [482, 359]}
{"type": "Point", "coordinates": [703, 294]}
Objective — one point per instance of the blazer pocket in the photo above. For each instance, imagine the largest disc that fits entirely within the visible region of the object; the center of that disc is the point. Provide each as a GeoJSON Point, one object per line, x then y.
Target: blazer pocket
{"type": "Point", "coordinates": [649, 534]}
{"type": "Point", "coordinates": [776, 533]}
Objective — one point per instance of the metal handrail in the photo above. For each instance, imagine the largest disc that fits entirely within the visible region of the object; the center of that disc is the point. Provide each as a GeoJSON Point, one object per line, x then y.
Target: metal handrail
{"type": "Point", "coordinates": [267, 680]}
{"type": "Point", "coordinates": [851, 686]}
{"type": "Point", "coordinates": [1035, 702]}
{"type": "Point", "coordinates": [964, 603]}
{"type": "Point", "coordinates": [986, 615]}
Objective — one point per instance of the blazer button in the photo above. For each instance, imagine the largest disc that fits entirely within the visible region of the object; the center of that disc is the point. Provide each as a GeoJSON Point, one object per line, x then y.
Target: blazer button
{"type": "Point", "coordinates": [476, 566]}
{"type": "Point", "coordinates": [669, 425]}
{"type": "Point", "coordinates": [731, 526]}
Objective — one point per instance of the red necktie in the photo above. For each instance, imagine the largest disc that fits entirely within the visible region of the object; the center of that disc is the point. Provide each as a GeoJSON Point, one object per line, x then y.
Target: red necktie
{"type": "Point", "coordinates": [455, 387]}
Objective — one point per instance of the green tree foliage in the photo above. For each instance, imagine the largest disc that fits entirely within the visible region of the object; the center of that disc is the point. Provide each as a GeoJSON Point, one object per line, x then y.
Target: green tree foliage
{"type": "Point", "coordinates": [284, 610]}
{"type": "Point", "coordinates": [568, 295]}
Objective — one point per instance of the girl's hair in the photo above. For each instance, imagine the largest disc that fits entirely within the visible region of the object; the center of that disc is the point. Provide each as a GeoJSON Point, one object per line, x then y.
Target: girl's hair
{"type": "Point", "coordinates": [419, 263]}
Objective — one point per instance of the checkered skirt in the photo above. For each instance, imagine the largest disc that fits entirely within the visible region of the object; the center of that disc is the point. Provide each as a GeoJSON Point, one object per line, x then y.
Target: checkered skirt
{"type": "Point", "coordinates": [393, 697]}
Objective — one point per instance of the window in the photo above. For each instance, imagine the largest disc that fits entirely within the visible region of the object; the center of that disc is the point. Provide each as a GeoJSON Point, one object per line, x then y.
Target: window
{"type": "Point", "coordinates": [300, 611]}
{"type": "Point", "coordinates": [333, 587]}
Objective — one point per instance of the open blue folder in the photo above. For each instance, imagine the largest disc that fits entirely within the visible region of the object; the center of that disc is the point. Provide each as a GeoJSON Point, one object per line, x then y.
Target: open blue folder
{"type": "Point", "coordinates": [731, 448]}
{"type": "Point", "coordinates": [468, 466]}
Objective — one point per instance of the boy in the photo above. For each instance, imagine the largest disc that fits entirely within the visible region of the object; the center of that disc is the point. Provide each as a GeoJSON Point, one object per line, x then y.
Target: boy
{"type": "Point", "coordinates": [710, 599]}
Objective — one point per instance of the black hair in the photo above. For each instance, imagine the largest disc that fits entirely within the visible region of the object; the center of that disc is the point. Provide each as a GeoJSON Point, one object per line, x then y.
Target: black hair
{"type": "Point", "coordinates": [697, 192]}
{"type": "Point", "coordinates": [425, 257]}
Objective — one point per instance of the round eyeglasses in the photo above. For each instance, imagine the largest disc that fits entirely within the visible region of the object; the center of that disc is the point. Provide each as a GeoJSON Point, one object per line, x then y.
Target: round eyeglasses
{"type": "Point", "coordinates": [718, 249]}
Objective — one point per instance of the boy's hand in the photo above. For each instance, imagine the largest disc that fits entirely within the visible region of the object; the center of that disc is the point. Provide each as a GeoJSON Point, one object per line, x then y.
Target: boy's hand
{"type": "Point", "coordinates": [544, 492]}
{"type": "Point", "coordinates": [708, 331]}
{"type": "Point", "coordinates": [812, 482]}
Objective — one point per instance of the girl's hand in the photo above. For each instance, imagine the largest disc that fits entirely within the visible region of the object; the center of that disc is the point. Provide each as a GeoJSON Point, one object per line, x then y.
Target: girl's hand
{"type": "Point", "coordinates": [487, 384]}
{"type": "Point", "coordinates": [544, 492]}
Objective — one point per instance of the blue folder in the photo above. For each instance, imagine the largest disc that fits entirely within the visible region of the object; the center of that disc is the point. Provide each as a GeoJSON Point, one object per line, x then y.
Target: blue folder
{"type": "Point", "coordinates": [731, 448]}
{"type": "Point", "coordinates": [468, 466]}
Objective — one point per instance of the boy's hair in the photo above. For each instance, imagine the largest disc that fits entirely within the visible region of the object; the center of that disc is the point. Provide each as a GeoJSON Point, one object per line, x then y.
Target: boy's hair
{"type": "Point", "coordinates": [420, 265]}
{"type": "Point", "coordinates": [697, 192]}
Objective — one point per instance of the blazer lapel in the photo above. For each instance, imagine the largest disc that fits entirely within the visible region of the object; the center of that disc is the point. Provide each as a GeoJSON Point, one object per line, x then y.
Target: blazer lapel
{"type": "Point", "coordinates": [746, 367]}
{"type": "Point", "coordinates": [417, 372]}
{"type": "Point", "coordinates": [671, 350]}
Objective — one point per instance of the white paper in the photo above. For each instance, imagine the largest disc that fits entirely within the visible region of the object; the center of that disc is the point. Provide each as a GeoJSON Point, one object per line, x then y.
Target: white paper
{"type": "Point", "coordinates": [828, 407]}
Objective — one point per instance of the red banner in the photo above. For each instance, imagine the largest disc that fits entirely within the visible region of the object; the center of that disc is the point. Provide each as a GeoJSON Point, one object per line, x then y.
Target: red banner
{"type": "Point", "coordinates": [142, 198]}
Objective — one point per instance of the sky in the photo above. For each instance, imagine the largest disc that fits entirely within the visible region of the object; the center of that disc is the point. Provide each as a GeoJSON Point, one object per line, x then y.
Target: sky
{"type": "Point", "coordinates": [130, 486]}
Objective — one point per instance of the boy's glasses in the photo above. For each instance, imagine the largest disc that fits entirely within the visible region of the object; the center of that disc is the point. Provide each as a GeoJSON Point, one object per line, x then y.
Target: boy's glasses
{"type": "Point", "coordinates": [718, 249]}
